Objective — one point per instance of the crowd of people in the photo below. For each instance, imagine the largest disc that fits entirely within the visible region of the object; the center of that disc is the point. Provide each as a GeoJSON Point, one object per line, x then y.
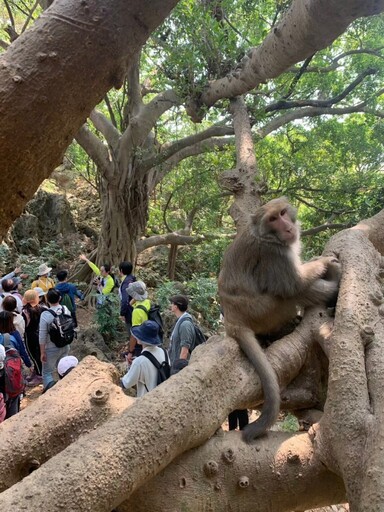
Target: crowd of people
{"type": "Point", "coordinates": [26, 322]}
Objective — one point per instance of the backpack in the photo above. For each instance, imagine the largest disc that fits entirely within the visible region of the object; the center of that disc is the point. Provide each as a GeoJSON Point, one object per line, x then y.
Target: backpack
{"type": "Point", "coordinates": [154, 314]}
{"type": "Point", "coordinates": [62, 329]}
{"type": "Point", "coordinates": [66, 301]}
{"type": "Point", "coordinates": [13, 375]}
{"type": "Point", "coordinates": [163, 369]}
{"type": "Point", "coordinates": [199, 335]}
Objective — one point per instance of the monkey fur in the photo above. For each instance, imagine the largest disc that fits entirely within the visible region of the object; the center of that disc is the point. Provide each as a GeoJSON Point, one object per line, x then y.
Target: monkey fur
{"type": "Point", "coordinates": [261, 284]}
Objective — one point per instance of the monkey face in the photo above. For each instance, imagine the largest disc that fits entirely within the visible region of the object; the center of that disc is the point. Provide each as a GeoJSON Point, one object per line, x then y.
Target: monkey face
{"type": "Point", "coordinates": [283, 226]}
{"type": "Point", "coordinates": [276, 220]}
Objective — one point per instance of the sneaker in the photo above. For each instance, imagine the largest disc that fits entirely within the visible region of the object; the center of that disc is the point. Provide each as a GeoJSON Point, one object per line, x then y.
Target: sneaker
{"type": "Point", "coordinates": [35, 381]}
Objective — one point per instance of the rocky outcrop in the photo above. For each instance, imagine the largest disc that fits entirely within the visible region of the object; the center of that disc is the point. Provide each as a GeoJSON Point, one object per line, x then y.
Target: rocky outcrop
{"type": "Point", "coordinates": [47, 217]}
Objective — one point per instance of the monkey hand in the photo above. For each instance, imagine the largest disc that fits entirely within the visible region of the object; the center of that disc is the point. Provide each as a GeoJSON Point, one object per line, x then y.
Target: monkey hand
{"type": "Point", "coordinates": [328, 264]}
{"type": "Point", "coordinates": [333, 272]}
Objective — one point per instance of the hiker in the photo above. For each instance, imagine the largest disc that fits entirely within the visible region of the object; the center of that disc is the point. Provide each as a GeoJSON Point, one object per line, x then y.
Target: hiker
{"type": "Point", "coordinates": [142, 372]}
{"type": "Point", "coordinates": [183, 334]}
{"type": "Point", "coordinates": [66, 365]}
{"type": "Point", "coordinates": [139, 294]}
{"type": "Point", "coordinates": [32, 310]}
{"type": "Point", "coordinates": [12, 343]}
{"type": "Point", "coordinates": [8, 286]}
{"type": "Point", "coordinates": [42, 296]}
{"type": "Point", "coordinates": [10, 304]}
{"type": "Point", "coordinates": [50, 353]}
{"type": "Point", "coordinates": [68, 292]}
{"type": "Point", "coordinates": [104, 281]}
{"type": "Point", "coordinates": [43, 279]}
{"type": "Point", "coordinates": [126, 309]}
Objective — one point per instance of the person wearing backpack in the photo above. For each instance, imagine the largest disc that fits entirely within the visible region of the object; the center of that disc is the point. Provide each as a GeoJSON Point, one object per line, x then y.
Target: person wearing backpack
{"type": "Point", "coordinates": [49, 349]}
{"type": "Point", "coordinates": [126, 309]}
{"type": "Point", "coordinates": [68, 292]}
{"type": "Point", "coordinates": [141, 305]}
{"type": "Point", "coordinates": [12, 382]}
{"type": "Point", "coordinates": [183, 334]}
{"type": "Point", "coordinates": [143, 373]}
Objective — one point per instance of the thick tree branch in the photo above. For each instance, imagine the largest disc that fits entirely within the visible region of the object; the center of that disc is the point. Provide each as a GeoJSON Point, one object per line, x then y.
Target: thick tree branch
{"type": "Point", "coordinates": [171, 148]}
{"type": "Point", "coordinates": [66, 78]}
{"type": "Point", "coordinates": [103, 125]}
{"type": "Point", "coordinates": [321, 21]}
{"type": "Point", "coordinates": [144, 121]}
{"type": "Point", "coordinates": [191, 417]}
{"type": "Point", "coordinates": [177, 239]}
{"type": "Point", "coordinates": [197, 149]}
{"type": "Point", "coordinates": [277, 458]}
{"type": "Point", "coordinates": [94, 147]}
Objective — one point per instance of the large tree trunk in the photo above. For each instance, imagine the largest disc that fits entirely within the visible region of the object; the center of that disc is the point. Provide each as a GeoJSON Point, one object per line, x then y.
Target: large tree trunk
{"type": "Point", "coordinates": [58, 71]}
{"type": "Point", "coordinates": [124, 216]}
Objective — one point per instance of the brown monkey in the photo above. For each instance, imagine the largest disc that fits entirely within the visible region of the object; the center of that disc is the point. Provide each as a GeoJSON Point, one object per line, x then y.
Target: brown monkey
{"type": "Point", "coordinates": [261, 284]}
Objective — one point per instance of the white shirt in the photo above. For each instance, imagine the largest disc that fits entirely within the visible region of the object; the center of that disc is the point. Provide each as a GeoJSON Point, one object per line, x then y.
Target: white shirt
{"type": "Point", "coordinates": [142, 372]}
{"type": "Point", "coordinates": [19, 304]}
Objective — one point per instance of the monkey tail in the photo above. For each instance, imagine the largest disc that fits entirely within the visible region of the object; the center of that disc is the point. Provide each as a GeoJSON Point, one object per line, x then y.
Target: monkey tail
{"type": "Point", "coordinates": [271, 407]}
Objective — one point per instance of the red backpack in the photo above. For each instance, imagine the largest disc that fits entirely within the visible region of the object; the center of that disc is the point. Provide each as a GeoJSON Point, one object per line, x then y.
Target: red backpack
{"type": "Point", "coordinates": [13, 375]}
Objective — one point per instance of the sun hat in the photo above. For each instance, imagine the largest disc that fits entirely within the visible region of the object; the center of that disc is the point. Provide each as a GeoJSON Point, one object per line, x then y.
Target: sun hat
{"type": "Point", "coordinates": [65, 364]}
{"type": "Point", "coordinates": [31, 297]}
{"type": "Point", "coordinates": [137, 290]}
{"type": "Point", "coordinates": [40, 292]}
{"type": "Point", "coordinates": [147, 332]}
{"type": "Point", "coordinates": [44, 269]}
{"type": "Point", "coordinates": [2, 356]}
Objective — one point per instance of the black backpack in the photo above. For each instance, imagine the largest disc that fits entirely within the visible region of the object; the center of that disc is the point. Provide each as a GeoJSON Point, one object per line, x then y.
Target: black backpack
{"type": "Point", "coordinates": [199, 335]}
{"type": "Point", "coordinates": [163, 369]}
{"type": "Point", "coordinates": [154, 314]}
{"type": "Point", "coordinates": [62, 329]}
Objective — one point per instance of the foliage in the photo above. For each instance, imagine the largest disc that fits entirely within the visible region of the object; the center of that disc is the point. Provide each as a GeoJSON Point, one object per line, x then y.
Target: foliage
{"type": "Point", "coordinates": [202, 294]}
{"type": "Point", "coordinates": [107, 319]}
{"type": "Point", "coordinates": [290, 423]}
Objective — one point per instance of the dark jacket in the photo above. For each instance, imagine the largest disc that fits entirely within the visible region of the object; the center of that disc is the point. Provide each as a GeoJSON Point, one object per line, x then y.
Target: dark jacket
{"type": "Point", "coordinates": [125, 307]}
{"type": "Point", "coordinates": [71, 290]}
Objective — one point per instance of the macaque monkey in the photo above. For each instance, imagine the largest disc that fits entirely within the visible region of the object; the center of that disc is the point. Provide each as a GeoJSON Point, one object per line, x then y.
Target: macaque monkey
{"type": "Point", "coordinates": [262, 283]}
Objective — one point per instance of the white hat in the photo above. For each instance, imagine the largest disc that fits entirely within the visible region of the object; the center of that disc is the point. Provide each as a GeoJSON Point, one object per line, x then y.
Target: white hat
{"type": "Point", "coordinates": [40, 292]}
{"type": "Point", "coordinates": [65, 364]}
{"type": "Point", "coordinates": [137, 290]}
{"type": "Point", "coordinates": [44, 269]}
{"type": "Point", "coordinates": [2, 356]}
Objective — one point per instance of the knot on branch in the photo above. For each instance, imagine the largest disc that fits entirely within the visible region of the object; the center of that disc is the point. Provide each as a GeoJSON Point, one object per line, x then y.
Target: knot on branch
{"type": "Point", "coordinates": [243, 482]}
{"type": "Point", "coordinates": [228, 456]}
{"type": "Point", "coordinates": [211, 468]}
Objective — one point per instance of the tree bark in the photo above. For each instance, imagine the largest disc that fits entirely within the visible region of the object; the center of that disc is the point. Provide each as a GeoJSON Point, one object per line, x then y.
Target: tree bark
{"type": "Point", "coordinates": [226, 474]}
{"type": "Point", "coordinates": [82, 401]}
{"type": "Point", "coordinates": [176, 416]}
{"type": "Point", "coordinates": [74, 53]}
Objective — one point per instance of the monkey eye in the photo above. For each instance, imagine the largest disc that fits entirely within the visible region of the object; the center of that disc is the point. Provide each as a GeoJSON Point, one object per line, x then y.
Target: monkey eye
{"type": "Point", "coordinates": [283, 212]}
{"type": "Point", "coordinates": [272, 219]}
